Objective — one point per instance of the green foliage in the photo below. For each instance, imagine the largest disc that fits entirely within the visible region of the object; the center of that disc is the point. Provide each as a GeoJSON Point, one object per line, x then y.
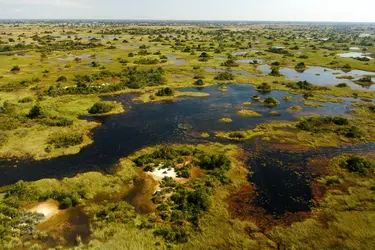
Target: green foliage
{"type": "Point", "coordinates": [174, 234]}
{"type": "Point", "coordinates": [183, 172]}
{"type": "Point", "coordinates": [314, 124]}
{"type": "Point", "coordinates": [271, 101]}
{"type": "Point", "coordinates": [236, 135]}
{"type": "Point", "coordinates": [21, 191]}
{"type": "Point", "coordinates": [277, 50]}
{"type": "Point", "coordinates": [264, 87]}
{"type": "Point", "coordinates": [15, 68]}
{"type": "Point", "coordinates": [165, 92]}
{"type": "Point", "coordinates": [35, 112]}
{"type": "Point", "coordinates": [342, 85]}
{"type": "Point", "coordinates": [119, 212]}
{"type": "Point", "coordinates": [101, 108]}
{"type": "Point", "coordinates": [224, 76]}
{"type": "Point", "coordinates": [58, 122]}
{"type": "Point", "coordinates": [230, 63]}
{"type": "Point", "coordinates": [275, 72]}
{"type": "Point", "coordinates": [304, 85]}
{"type": "Point", "coordinates": [338, 125]}
{"type": "Point", "coordinates": [130, 78]}
{"type": "Point", "coordinates": [66, 203]}
{"type": "Point", "coordinates": [199, 82]}
{"type": "Point", "coordinates": [62, 79]}
{"type": "Point", "coordinates": [26, 100]}
{"type": "Point", "coordinates": [147, 61]}
{"type": "Point", "coordinates": [204, 57]}
{"type": "Point", "coordinates": [163, 153]}
{"type": "Point", "coordinates": [65, 140]}
{"type": "Point", "coordinates": [300, 66]}
{"type": "Point", "coordinates": [358, 164]}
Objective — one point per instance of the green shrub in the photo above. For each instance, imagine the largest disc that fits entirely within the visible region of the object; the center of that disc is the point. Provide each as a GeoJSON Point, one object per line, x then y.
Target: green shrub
{"type": "Point", "coordinates": [165, 92]}
{"type": "Point", "coordinates": [275, 72]}
{"type": "Point", "coordinates": [224, 76]}
{"type": "Point", "coordinates": [66, 203]}
{"type": "Point", "coordinates": [230, 63]}
{"type": "Point", "coordinates": [342, 85]}
{"type": "Point", "coordinates": [300, 66]}
{"type": "Point", "coordinates": [35, 112]}
{"type": "Point", "coordinates": [236, 135]}
{"type": "Point", "coordinates": [199, 82]}
{"type": "Point", "coordinates": [146, 61]}
{"type": "Point", "coordinates": [271, 101]}
{"type": "Point", "coordinates": [359, 165]}
{"type": "Point", "coordinates": [26, 100]}
{"type": "Point", "coordinates": [62, 79]}
{"type": "Point", "coordinates": [101, 108]}
{"type": "Point", "coordinates": [315, 124]}
{"type": "Point", "coordinates": [58, 122]}
{"type": "Point", "coordinates": [264, 87]}
{"type": "Point", "coordinates": [15, 68]}
{"type": "Point", "coordinates": [65, 140]}
{"type": "Point", "coordinates": [304, 85]}
{"type": "Point", "coordinates": [183, 172]}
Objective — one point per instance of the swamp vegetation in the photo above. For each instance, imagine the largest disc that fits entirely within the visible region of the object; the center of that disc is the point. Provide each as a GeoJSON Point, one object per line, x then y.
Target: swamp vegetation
{"type": "Point", "coordinates": [180, 135]}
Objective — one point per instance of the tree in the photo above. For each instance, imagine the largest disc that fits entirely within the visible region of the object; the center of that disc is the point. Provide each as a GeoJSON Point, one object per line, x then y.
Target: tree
{"type": "Point", "coordinates": [62, 79]}
{"type": "Point", "coordinates": [204, 57]}
{"type": "Point", "coordinates": [271, 101]}
{"type": "Point", "coordinates": [15, 68]}
{"type": "Point", "coordinates": [199, 82]}
{"type": "Point", "coordinates": [165, 92]}
{"type": "Point", "coordinates": [101, 108]}
{"type": "Point", "coordinates": [35, 112]}
{"type": "Point", "coordinates": [264, 87]}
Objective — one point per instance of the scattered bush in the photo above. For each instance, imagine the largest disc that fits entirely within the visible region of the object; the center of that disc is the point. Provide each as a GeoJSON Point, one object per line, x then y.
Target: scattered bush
{"type": "Point", "coordinates": [264, 87]}
{"type": "Point", "coordinates": [165, 92]}
{"type": "Point", "coordinates": [224, 76]}
{"type": "Point", "coordinates": [62, 79]}
{"type": "Point", "coordinates": [35, 112]}
{"type": "Point", "coordinates": [271, 101]}
{"type": "Point", "coordinates": [65, 140]}
{"type": "Point", "coordinates": [342, 85]}
{"type": "Point", "coordinates": [15, 68]}
{"type": "Point", "coordinates": [359, 165]}
{"type": "Point", "coordinates": [230, 63]}
{"type": "Point", "coordinates": [26, 100]}
{"type": "Point", "coordinates": [199, 82]}
{"type": "Point", "coordinates": [101, 108]}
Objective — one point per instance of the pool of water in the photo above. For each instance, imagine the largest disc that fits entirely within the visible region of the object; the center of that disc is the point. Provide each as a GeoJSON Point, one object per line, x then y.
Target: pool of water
{"type": "Point", "coordinates": [322, 76]}
{"type": "Point", "coordinates": [175, 60]}
{"type": "Point", "coordinates": [355, 54]}
{"type": "Point", "coordinates": [250, 61]}
{"type": "Point", "coordinates": [159, 123]}
{"type": "Point", "coordinates": [240, 53]}
{"type": "Point", "coordinates": [282, 182]}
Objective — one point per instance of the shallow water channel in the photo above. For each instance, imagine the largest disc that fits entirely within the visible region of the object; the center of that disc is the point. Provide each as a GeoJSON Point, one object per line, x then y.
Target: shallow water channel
{"type": "Point", "coordinates": [181, 121]}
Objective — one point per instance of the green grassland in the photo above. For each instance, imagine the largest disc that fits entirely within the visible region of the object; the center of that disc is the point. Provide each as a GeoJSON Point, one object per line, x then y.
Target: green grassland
{"type": "Point", "coordinates": [51, 75]}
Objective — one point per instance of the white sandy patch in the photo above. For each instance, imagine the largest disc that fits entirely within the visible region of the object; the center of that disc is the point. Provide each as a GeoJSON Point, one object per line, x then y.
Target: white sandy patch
{"type": "Point", "coordinates": [48, 208]}
{"type": "Point", "coordinates": [159, 173]}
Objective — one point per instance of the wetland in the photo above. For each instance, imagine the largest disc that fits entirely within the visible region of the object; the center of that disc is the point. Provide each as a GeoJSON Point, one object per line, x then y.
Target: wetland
{"type": "Point", "coordinates": [186, 136]}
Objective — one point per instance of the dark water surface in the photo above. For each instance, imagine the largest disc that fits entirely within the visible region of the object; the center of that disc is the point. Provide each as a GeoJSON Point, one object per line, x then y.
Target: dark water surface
{"type": "Point", "coordinates": [181, 121]}
{"type": "Point", "coordinates": [143, 125]}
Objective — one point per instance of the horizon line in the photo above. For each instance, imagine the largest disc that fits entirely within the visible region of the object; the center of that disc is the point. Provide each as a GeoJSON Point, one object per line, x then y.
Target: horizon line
{"type": "Point", "coordinates": [174, 20]}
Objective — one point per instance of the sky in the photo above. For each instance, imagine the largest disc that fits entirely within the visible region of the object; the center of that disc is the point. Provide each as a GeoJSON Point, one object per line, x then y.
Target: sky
{"type": "Point", "coordinates": [250, 10]}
